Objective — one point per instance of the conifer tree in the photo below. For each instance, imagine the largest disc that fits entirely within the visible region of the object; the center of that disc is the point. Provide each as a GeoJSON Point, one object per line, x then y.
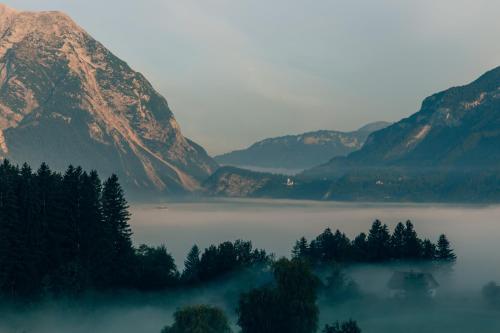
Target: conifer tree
{"type": "Point", "coordinates": [444, 252]}
{"type": "Point", "coordinates": [360, 248]}
{"type": "Point", "coordinates": [116, 216]}
{"type": "Point", "coordinates": [11, 237]}
{"type": "Point", "coordinates": [192, 266]}
{"type": "Point", "coordinates": [378, 242]}
{"type": "Point", "coordinates": [301, 249]}
{"type": "Point", "coordinates": [52, 219]}
{"type": "Point", "coordinates": [96, 247]}
{"type": "Point", "coordinates": [428, 250]}
{"type": "Point", "coordinates": [397, 241]}
{"type": "Point", "coordinates": [30, 243]}
{"type": "Point", "coordinates": [412, 247]}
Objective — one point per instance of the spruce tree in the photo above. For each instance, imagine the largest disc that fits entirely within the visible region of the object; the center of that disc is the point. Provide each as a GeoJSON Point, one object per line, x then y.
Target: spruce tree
{"type": "Point", "coordinates": [30, 245]}
{"type": "Point", "coordinates": [378, 244]}
{"type": "Point", "coordinates": [11, 237]}
{"type": "Point", "coordinates": [192, 266]}
{"type": "Point", "coordinates": [116, 216]}
{"type": "Point", "coordinates": [360, 248]}
{"type": "Point", "coordinates": [444, 252]}
{"type": "Point", "coordinates": [301, 249]}
{"type": "Point", "coordinates": [397, 241]}
{"type": "Point", "coordinates": [96, 248]}
{"type": "Point", "coordinates": [53, 221]}
{"type": "Point", "coordinates": [428, 250]}
{"type": "Point", "coordinates": [412, 247]}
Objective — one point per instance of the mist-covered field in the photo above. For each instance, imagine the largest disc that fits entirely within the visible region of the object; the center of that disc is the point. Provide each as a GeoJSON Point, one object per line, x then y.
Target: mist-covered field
{"type": "Point", "coordinates": [275, 225]}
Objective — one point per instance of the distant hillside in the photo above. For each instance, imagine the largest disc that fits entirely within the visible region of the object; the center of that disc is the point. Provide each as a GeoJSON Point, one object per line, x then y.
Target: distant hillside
{"type": "Point", "coordinates": [236, 182]}
{"type": "Point", "coordinates": [300, 151]}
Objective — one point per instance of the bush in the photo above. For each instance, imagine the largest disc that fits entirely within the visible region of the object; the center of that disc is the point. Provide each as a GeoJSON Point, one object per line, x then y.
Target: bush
{"type": "Point", "coordinates": [491, 293]}
{"type": "Point", "coordinates": [199, 319]}
{"type": "Point", "coordinates": [289, 306]}
{"type": "Point", "coordinates": [349, 326]}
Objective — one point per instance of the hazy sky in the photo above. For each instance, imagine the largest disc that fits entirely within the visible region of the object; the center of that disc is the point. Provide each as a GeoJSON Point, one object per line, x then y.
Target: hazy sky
{"type": "Point", "coordinates": [235, 71]}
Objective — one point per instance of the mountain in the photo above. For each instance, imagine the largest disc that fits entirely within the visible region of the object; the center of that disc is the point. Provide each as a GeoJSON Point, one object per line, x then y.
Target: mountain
{"type": "Point", "coordinates": [446, 152]}
{"type": "Point", "coordinates": [300, 151]}
{"type": "Point", "coordinates": [456, 130]}
{"type": "Point", "coordinates": [65, 98]}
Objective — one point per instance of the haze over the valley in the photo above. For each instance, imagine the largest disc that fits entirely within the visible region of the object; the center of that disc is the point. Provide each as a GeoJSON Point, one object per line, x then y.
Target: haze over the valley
{"type": "Point", "coordinates": [356, 206]}
{"type": "Point", "coordinates": [237, 72]}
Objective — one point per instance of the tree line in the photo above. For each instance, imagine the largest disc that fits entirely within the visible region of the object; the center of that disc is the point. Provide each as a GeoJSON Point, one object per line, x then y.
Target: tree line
{"type": "Point", "coordinates": [377, 247]}
{"type": "Point", "coordinates": [68, 233]}
{"type": "Point", "coordinates": [64, 234]}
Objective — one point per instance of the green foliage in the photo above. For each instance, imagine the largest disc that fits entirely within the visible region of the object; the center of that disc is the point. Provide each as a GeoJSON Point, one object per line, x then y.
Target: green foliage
{"type": "Point", "coordinates": [378, 242]}
{"type": "Point", "coordinates": [491, 294]}
{"type": "Point", "coordinates": [444, 253]}
{"type": "Point", "coordinates": [301, 249]}
{"type": "Point", "coordinates": [349, 326]}
{"type": "Point", "coordinates": [338, 286]}
{"type": "Point", "coordinates": [289, 306]}
{"type": "Point", "coordinates": [225, 258]}
{"type": "Point", "coordinates": [199, 319]}
{"type": "Point", "coordinates": [191, 273]}
{"type": "Point", "coordinates": [116, 216]}
{"type": "Point", "coordinates": [379, 246]}
{"type": "Point", "coordinates": [155, 268]}
{"type": "Point", "coordinates": [66, 234]}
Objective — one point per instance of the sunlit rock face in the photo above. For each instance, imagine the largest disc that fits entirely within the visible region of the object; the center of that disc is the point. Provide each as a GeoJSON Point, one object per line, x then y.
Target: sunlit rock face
{"type": "Point", "coordinates": [65, 98]}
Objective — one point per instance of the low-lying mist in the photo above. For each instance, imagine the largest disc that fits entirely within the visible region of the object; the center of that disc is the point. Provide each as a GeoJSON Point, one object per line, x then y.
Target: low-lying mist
{"type": "Point", "coordinates": [275, 225]}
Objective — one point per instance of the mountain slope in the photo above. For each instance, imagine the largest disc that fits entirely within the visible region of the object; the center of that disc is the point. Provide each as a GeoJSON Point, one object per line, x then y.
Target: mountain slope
{"type": "Point", "coordinates": [300, 151]}
{"type": "Point", "coordinates": [457, 129]}
{"type": "Point", "coordinates": [64, 98]}
{"type": "Point", "coordinates": [447, 152]}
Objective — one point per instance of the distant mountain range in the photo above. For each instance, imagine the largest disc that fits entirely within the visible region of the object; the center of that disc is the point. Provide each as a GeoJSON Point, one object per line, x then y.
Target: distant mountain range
{"type": "Point", "coordinates": [298, 152]}
{"type": "Point", "coordinates": [447, 151]}
{"type": "Point", "coordinates": [65, 98]}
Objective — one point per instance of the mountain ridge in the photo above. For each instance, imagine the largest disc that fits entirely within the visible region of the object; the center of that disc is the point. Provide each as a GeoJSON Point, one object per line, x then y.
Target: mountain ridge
{"type": "Point", "coordinates": [299, 151]}
{"type": "Point", "coordinates": [455, 128]}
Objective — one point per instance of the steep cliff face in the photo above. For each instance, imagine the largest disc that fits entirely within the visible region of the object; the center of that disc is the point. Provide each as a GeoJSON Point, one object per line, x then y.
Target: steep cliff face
{"type": "Point", "coordinates": [64, 98]}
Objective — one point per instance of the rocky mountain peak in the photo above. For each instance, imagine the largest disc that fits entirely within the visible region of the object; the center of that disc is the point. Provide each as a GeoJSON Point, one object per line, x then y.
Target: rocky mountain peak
{"type": "Point", "coordinates": [66, 98]}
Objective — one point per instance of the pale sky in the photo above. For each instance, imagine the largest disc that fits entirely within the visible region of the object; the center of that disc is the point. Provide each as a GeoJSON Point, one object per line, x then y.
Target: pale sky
{"type": "Point", "coordinates": [237, 71]}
